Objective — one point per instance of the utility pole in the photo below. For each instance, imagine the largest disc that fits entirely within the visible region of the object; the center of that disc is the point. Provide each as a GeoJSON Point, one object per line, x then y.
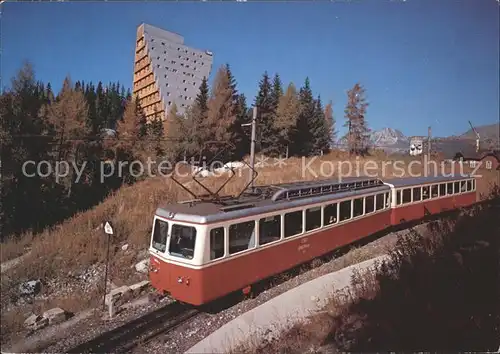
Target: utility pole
{"type": "Point", "coordinates": [252, 145]}
{"type": "Point", "coordinates": [429, 134]}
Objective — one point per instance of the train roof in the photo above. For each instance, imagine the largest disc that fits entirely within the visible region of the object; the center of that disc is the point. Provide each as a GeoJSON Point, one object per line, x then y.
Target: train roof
{"type": "Point", "coordinates": [412, 181]}
{"type": "Point", "coordinates": [268, 198]}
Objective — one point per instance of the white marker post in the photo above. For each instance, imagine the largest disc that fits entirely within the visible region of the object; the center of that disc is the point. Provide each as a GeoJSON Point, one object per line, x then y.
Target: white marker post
{"type": "Point", "coordinates": [109, 231]}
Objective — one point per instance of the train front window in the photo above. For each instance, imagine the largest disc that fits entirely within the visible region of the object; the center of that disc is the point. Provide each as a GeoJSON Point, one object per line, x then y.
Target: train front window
{"type": "Point", "coordinates": [182, 241]}
{"type": "Point", "coordinates": [160, 233]}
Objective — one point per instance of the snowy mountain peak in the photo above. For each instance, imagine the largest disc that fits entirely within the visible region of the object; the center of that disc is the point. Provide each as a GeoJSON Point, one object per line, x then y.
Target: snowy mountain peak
{"type": "Point", "coordinates": [387, 136]}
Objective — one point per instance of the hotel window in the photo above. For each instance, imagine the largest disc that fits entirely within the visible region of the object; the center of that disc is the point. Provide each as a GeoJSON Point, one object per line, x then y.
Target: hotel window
{"type": "Point", "coordinates": [488, 165]}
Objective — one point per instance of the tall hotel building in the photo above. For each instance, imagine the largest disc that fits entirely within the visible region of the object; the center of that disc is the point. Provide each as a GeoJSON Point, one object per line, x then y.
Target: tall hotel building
{"type": "Point", "coordinates": [167, 71]}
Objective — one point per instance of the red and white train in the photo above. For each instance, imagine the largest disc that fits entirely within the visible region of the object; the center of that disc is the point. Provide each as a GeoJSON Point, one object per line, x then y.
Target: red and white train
{"type": "Point", "coordinates": [203, 250]}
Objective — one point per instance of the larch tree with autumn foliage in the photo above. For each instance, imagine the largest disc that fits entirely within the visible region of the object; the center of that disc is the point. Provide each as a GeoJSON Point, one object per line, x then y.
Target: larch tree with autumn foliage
{"type": "Point", "coordinates": [285, 123]}
{"type": "Point", "coordinates": [222, 111]}
{"type": "Point", "coordinates": [67, 118]}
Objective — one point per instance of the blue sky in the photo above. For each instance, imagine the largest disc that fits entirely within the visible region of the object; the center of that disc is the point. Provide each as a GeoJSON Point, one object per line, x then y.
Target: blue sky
{"type": "Point", "coordinates": [422, 62]}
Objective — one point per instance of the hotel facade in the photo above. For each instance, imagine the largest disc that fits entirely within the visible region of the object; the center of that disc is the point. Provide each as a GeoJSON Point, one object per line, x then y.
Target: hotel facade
{"type": "Point", "coordinates": [166, 71]}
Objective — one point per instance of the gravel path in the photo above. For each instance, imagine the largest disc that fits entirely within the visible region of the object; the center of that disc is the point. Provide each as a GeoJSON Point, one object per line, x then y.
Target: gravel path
{"type": "Point", "coordinates": [188, 334]}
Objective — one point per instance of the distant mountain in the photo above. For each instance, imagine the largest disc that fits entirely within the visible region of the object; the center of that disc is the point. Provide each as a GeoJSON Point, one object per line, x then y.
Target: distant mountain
{"type": "Point", "coordinates": [387, 139]}
{"type": "Point", "coordinates": [394, 141]}
{"type": "Point", "coordinates": [487, 133]}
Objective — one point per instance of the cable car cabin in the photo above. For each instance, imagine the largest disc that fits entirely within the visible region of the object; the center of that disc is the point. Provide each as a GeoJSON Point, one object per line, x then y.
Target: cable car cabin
{"type": "Point", "coordinates": [203, 250]}
{"type": "Point", "coordinates": [417, 197]}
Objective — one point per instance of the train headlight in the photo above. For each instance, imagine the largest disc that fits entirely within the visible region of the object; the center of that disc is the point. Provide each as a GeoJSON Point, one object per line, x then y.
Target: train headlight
{"type": "Point", "coordinates": [179, 280]}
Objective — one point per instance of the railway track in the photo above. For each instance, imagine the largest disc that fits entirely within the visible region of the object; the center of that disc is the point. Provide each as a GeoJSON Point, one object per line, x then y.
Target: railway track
{"type": "Point", "coordinates": [141, 330]}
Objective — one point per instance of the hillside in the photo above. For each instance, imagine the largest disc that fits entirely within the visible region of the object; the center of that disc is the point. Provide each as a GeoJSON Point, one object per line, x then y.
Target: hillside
{"type": "Point", "coordinates": [486, 132]}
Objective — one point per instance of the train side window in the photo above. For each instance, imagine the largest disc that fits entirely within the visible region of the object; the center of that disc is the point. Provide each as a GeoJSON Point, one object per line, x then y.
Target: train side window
{"type": "Point", "coordinates": [380, 201]}
{"type": "Point", "coordinates": [434, 191]}
{"type": "Point", "coordinates": [469, 185]}
{"type": "Point", "coordinates": [456, 187]}
{"type": "Point", "coordinates": [425, 192]}
{"type": "Point", "coordinates": [398, 197]}
{"type": "Point", "coordinates": [345, 210]}
{"type": "Point", "coordinates": [406, 195]}
{"type": "Point", "coordinates": [313, 218]}
{"type": "Point", "coordinates": [449, 188]}
{"type": "Point", "coordinates": [269, 229]}
{"type": "Point", "coordinates": [463, 186]}
{"type": "Point", "coordinates": [473, 184]}
{"type": "Point", "coordinates": [417, 194]}
{"type": "Point", "coordinates": [293, 223]}
{"type": "Point", "coordinates": [216, 243]}
{"type": "Point", "coordinates": [369, 204]}
{"type": "Point", "coordinates": [330, 214]}
{"type": "Point", "coordinates": [182, 241]}
{"type": "Point", "coordinates": [357, 207]}
{"type": "Point", "coordinates": [387, 200]}
{"type": "Point", "coordinates": [160, 234]}
{"type": "Point", "coordinates": [442, 189]}
{"type": "Point", "coordinates": [241, 236]}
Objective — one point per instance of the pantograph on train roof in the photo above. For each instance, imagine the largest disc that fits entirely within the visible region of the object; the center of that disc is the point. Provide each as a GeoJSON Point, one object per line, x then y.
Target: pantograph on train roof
{"type": "Point", "coordinates": [275, 192]}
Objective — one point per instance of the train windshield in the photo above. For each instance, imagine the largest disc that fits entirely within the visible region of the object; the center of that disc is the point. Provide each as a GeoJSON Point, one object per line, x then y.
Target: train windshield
{"type": "Point", "coordinates": [182, 241]}
{"type": "Point", "coordinates": [160, 234]}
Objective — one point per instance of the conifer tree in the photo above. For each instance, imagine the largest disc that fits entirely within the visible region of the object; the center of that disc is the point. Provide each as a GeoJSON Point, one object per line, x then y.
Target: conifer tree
{"type": "Point", "coordinates": [303, 138]}
{"type": "Point", "coordinates": [264, 105]}
{"type": "Point", "coordinates": [241, 136]}
{"type": "Point", "coordinates": [320, 129]}
{"type": "Point", "coordinates": [355, 111]}
{"type": "Point", "coordinates": [195, 115]}
{"type": "Point", "coordinates": [277, 92]}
